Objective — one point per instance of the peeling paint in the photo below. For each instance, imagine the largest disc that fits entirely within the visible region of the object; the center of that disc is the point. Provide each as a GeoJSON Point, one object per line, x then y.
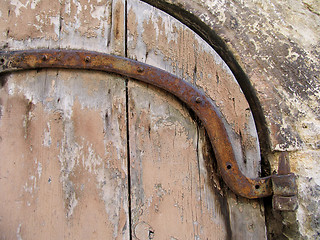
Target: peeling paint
{"type": "Point", "coordinates": [159, 40]}
{"type": "Point", "coordinates": [168, 44]}
{"type": "Point", "coordinates": [27, 21]}
{"type": "Point", "coordinates": [39, 169]}
{"type": "Point", "coordinates": [18, 232]}
{"type": "Point", "coordinates": [68, 130]}
{"type": "Point", "coordinates": [275, 43]}
{"type": "Point", "coordinates": [47, 137]}
{"type": "Point", "coordinates": [164, 169]}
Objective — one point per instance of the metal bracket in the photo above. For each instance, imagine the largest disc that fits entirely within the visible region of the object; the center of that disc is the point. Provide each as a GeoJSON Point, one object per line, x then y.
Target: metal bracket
{"type": "Point", "coordinates": [285, 192]}
{"type": "Point", "coordinates": [284, 186]}
{"type": "Point", "coordinates": [189, 94]}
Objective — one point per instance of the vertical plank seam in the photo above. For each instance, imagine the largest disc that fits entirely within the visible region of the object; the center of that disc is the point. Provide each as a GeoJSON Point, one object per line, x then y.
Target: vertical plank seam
{"type": "Point", "coordinates": [111, 26]}
{"type": "Point", "coordinates": [198, 160]}
{"type": "Point", "coordinates": [198, 136]}
{"type": "Point", "coordinates": [60, 25]}
{"type": "Point", "coordinates": [127, 120]}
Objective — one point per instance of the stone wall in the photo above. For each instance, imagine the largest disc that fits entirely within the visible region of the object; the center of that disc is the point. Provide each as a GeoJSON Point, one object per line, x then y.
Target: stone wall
{"type": "Point", "coordinates": [273, 49]}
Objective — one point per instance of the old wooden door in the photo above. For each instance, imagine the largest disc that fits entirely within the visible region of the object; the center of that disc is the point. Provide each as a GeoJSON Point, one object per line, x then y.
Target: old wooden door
{"type": "Point", "coordinates": [91, 155]}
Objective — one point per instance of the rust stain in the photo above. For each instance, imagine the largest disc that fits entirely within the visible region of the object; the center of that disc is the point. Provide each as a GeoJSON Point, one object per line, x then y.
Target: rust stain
{"type": "Point", "coordinates": [132, 28]}
{"type": "Point", "coordinates": [118, 30]}
{"type": "Point", "coordinates": [27, 118]}
{"type": "Point", "coordinates": [213, 181]}
{"type": "Point", "coordinates": [149, 34]}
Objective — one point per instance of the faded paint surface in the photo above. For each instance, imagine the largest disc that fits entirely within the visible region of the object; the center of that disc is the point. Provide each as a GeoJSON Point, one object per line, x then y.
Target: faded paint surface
{"type": "Point", "coordinates": [64, 138]}
{"type": "Point", "coordinates": [276, 43]}
{"type": "Point", "coordinates": [168, 185]}
{"type": "Point", "coordinates": [63, 132]}
{"type": "Point", "coordinates": [277, 46]}
{"type": "Point", "coordinates": [93, 25]}
{"type": "Point", "coordinates": [95, 153]}
{"type": "Point", "coordinates": [160, 40]}
{"type": "Point", "coordinates": [22, 20]}
{"type": "Point", "coordinates": [26, 24]}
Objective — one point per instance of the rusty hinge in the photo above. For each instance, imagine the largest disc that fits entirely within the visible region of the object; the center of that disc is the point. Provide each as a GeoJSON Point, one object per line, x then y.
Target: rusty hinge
{"type": "Point", "coordinates": [282, 186]}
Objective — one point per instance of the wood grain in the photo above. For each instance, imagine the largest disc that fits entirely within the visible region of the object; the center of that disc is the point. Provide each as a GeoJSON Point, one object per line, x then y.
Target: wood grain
{"type": "Point", "coordinates": [209, 209]}
{"type": "Point", "coordinates": [65, 166]}
{"type": "Point", "coordinates": [63, 133]}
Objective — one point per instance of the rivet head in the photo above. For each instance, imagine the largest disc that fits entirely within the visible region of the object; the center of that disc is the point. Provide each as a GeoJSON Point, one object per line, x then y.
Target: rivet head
{"type": "Point", "coordinates": [198, 100]}
{"type": "Point", "coordinates": [87, 59]}
{"type": "Point", "coordinates": [140, 69]}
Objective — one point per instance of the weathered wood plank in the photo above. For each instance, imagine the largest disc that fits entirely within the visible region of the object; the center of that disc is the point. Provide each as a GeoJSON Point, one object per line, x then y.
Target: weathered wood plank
{"type": "Point", "coordinates": [165, 185]}
{"type": "Point", "coordinates": [29, 24]}
{"type": "Point", "coordinates": [64, 139]}
{"type": "Point", "coordinates": [64, 132]}
{"type": "Point", "coordinates": [65, 171]}
{"type": "Point", "coordinates": [159, 40]}
{"type": "Point", "coordinates": [93, 25]}
{"type": "Point", "coordinates": [169, 187]}
{"type": "Point", "coordinates": [70, 173]}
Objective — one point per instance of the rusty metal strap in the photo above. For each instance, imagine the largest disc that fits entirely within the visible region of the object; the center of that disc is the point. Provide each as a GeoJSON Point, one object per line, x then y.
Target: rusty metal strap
{"type": "Point", "coordinates": [193, 97]}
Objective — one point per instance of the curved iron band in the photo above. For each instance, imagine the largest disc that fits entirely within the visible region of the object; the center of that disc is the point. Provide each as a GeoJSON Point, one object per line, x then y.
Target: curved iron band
{"type": "Point", "coordinates": [193, 97]}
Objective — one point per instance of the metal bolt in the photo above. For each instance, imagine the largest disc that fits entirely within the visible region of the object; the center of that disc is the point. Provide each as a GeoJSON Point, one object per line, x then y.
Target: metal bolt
{"type": "Point", "coordinates": [44, 57]}
{"type": "Point", "coordinates": [87, 59]}
{"type": "Point", "coordinates": [140, 69]}
{"type": "Point", "coordinates": [198, 100]}
{"type": "Point", "coordinates": [151, 234]}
